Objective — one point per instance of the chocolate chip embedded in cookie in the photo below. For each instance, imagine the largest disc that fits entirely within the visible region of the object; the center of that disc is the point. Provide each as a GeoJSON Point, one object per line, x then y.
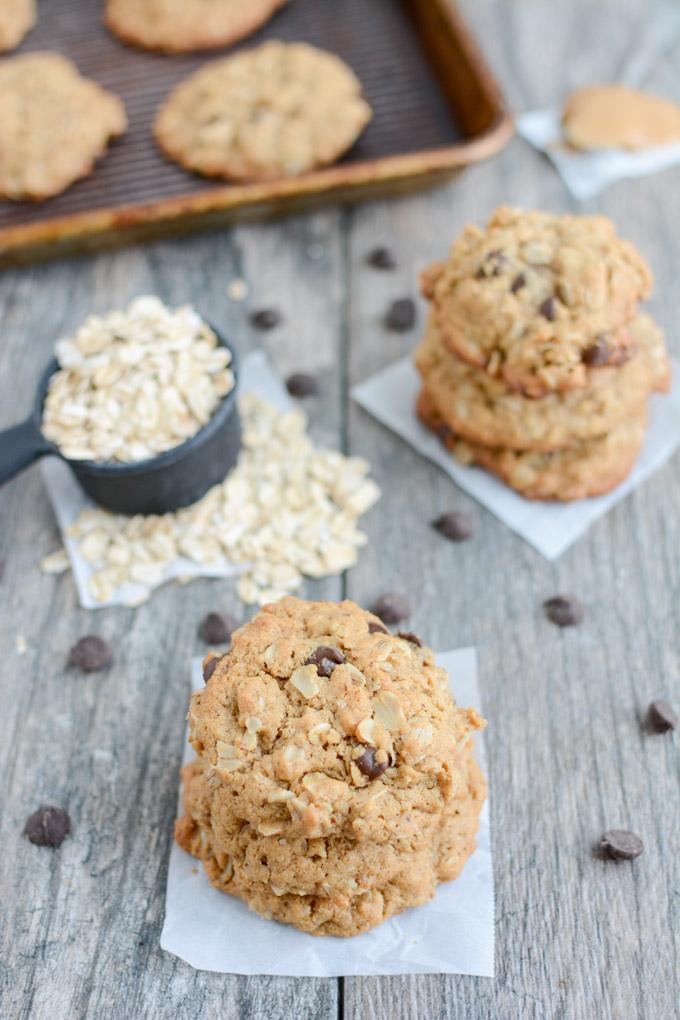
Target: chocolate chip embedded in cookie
{"type": "Point", "coordinates": [17, 18]}
{"type": "Point", "coordinates": [180, 26]}
{"type": "Point", "coordinates": [618, 117]}
{"type": "Point", "coordinates": [528, 295]}
{"type": "Point", "coordinates": [275, 111]}
{"type": "Point", "coordinates": [54, 125]}
{"type": "Point", "coordinates": [334, 784]}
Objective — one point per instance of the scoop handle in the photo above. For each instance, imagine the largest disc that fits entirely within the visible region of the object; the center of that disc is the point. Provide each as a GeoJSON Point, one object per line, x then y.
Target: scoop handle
{"type": "Point", "coordinates": [19, 447]}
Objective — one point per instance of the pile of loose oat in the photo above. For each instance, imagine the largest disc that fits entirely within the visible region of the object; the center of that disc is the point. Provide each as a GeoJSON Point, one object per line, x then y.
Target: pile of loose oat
{"type": "Point", "coordinates": [288, 509]}
{"type": "Point", "coordinates": [135, 383]}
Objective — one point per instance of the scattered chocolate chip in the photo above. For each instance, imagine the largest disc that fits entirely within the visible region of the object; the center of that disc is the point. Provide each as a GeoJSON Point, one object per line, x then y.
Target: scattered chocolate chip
{"type": "Point", "coordinates": [456, 526]}
{"type": "Point", "coordinates": [376, 628]}
{"type": "Point", "coordinates": [209, 666]}
{"type": "Point", "coordinates": [217, 628]}
{"type": "Point", "coordinates": [90, 654]}
{"type": "Point", "coordinates": [564, 610]}
{"type": "Point", "coordinates": [48, 826]}
{"type": "Point", "coordinates": [369, 766]}
{"type": "Point", "coordinates": [300, 384]}
{"type": "Point", "coordinates": [401, 315]}
{"type": "Point", "coordinates": [391, 608]}
{"type": "Point", "coordinates": [381, 258]}
{"type": "Point", "coordinates": [325, 658]}
{"type": "Point", "coordinates": [519, 282]}
{"type": "Point", "coordinates": [265, 318]}
{"type": "Point", "coordinates": [548, 308]}
{"type": "Point", "coordinates": [599, 353]}
{"type": "Point", "coordinates": [621, 845]}
{"type": "Point", "coordinates": [408, 635]}
{"type": "Point", "coordinates": [661, 717]}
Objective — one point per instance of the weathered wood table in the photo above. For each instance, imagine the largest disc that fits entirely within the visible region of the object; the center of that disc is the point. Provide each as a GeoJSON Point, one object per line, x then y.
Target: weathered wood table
{"type": "Point", "coordinates": [576, 937]}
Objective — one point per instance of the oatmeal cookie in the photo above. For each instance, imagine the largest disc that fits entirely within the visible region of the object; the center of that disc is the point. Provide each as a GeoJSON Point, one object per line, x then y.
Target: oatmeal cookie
{"type": "Point", "coordinates": [181, 26]}
{"type": "Point", "coordinates": [54, 125]}
{"type": "Point", "coordinates": [618, 117]}
{"type": "Point", "coordinates": [334, 784]}
{"type": "Point", "coordinates": [485, 410]}
{"type": "Point", "coordinates": [536, 299]}
{"type": "Point", "coordinates": [275, 111]}
{"type": "Point", "coordinates": [17, 18]}
{"type": "Point", "coordinates": [590, 467]}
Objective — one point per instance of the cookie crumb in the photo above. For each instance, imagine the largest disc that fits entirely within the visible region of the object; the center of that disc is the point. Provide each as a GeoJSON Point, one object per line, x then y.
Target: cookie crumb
{"type": "Point", "coordinates": [237, 289]}
{"type": "Point", "coordinates": [56, 563]}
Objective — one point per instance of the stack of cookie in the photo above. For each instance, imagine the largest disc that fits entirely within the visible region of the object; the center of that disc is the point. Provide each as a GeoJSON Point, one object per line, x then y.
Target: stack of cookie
{"type": "Point", "coordinates": [536, 362]}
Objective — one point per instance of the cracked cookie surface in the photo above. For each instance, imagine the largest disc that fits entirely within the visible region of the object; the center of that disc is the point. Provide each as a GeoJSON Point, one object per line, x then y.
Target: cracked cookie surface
{"type": "Point", "coordinates": [536, 299]}
{"type": "Point", "coordinates": [334, 784]}
{"type": "Point", "coordinates": [278, 110]}
{"type": "Point", "coordinates": [17, 18]}
{"type": "Point", "coordinates": [486, 410]}
{"type": "Point", "coordinates": [54, 125]}
{"type": "Point", "coordinates": [181, 26]}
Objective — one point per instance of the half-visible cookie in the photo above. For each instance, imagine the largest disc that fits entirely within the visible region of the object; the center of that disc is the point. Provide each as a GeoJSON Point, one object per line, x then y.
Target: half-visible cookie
{"type": "Point", "coordinates": [588, 468]}
{"type": "Point", "coordinates": [54, 125]}
{"type": "Point", "coordinates": [275, 111]}
{"type": "Point", "coordinates": [17, 18]}
{"type": "Point", "coordinates": [618, 117]}
{"type": "Point", "coordinates": [483, 409]}
{"type": "Point", "coordinates": [181, 26]}
{"type": "Point", "coordinates": [536, 299]}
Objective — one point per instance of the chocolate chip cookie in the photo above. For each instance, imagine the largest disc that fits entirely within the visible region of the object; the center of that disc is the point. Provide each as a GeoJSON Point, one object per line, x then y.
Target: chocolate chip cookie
{"type": "Point", "coordinates": [484, 409]}
{"type": "Point", "coordinates": [537, 299]}
{"type": "Point", "coordinates": [17, 18]}
{"type": "Point", "coordinates": [275, 111]}
{"type": "Point", "coordinates": [54, 125]}
{"type": "Point", "coordinates": [180, 26]}
{"type": "Point", "coordinates": [334, 784]}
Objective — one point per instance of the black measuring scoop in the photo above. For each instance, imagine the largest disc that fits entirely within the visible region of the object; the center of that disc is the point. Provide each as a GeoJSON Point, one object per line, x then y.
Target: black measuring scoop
{"type": "Point", "coordinates": [168, 481]}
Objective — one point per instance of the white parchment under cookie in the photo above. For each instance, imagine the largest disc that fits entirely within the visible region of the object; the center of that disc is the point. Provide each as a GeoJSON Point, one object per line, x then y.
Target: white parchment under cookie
{"type": "Point", "coordinates": [68, 500]}
{"type": "Point", "coordinates": [390, 396]}
{"type": "Point", "coordinates": [453, 934]}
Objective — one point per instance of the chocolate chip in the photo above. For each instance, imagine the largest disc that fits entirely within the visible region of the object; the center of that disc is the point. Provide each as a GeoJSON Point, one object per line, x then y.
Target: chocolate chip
{"type": "Point", "coordinates": [48, 826]}
{"type": "Point", "coordinates": [456, 526]}
{"type": "Point", "coordinates": [599, 353]}
{"type": "Point", "coordinates": [209, 666]}
{"type": "Point", "coordinates": [492, 264]}
{"type": "Point", "coordinates": [325, 658]}
{"type": "Point", "coordinates": [661, 717]}
{"type": "Point", "coordinates": [548, 308]}
{"type": "Point", "coordinates": [408, 635]}
{"type": "Point", "coordinates": [401, 315]}
{"type": "Point", "coordinates": [376, 628]}
{"type": "Point", "coordinates": [519, 282]}
{"type": "Point", "coordinates": [564, 610]}
{"type": "Point", "coordinates": [369, 766]}
{"type": "Point", "coordinates": [300, 384]}
{"type": "Point", "coordinates": [265, 318]}
{"type": "Point", "coordinates": [391, 608]}
{"type": "Point", "coordinates": [90, 654]}
{"type": "Point", "coordinates": [381, 258]}
{"type": "Point", "coordinates": [621, 845]}
{"type": "Point", "coordinates": [217, 628]}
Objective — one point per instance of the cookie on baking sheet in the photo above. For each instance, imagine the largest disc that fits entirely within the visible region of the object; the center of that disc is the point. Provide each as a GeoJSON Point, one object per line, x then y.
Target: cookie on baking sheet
{"type": "Point", "coordinates": [181, 26]}
{"type": "Point", "coordinates": [618, 117]}
{"type": "Point", "coordinates": [54, 125]}
{"type": "Point", "coordinates": [588, 468]}
{"type": "Point", "coordinates": [536, 299]}
{"type": "Point", "coordinates": [275, 111]}
{"type": "Point", "coordinates": [334, 784]}
{"type": "Point", "coordinates": [17, 18]}
{"type": "Point", "coordinates": [485, 410]}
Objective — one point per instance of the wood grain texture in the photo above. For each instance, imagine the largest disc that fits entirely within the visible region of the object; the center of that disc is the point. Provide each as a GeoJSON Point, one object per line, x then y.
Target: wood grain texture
{"type": "Point", "coordinates": [576, 938]}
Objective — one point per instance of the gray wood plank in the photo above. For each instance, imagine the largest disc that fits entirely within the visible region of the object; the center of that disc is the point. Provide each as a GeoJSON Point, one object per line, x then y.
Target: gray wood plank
{"type": "Point", "coordinates": [80, 926]}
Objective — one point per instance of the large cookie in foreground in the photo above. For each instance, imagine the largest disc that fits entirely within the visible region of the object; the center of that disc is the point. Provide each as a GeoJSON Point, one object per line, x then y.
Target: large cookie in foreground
{"type": "Point", "coordinates": [17, 18]}
{"type": "Point", "coordinates": [588, 468]}
{"type": "Point", "coordinates": [54, 125]}
{"type": "Point", "coordinates": [536, 299]}
{"type": "Point", "coordinates": [334, 784]}
{"type": "Point", "coordinates": [484, 409]}
{"type": "Point", "coordinates": [181, 26]}
{"type": "Point", "coordinates": [275, 111]}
